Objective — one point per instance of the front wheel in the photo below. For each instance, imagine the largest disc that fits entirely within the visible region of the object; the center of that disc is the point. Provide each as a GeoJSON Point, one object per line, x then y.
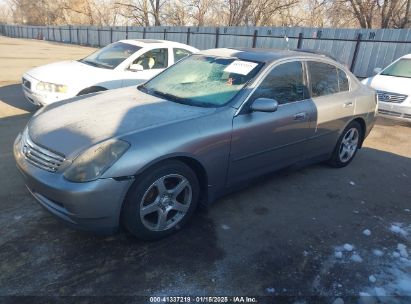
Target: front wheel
{"type": "Point", "coordinates": [347, 145]}
{"type": "Point", "coordinates": [161, 201]}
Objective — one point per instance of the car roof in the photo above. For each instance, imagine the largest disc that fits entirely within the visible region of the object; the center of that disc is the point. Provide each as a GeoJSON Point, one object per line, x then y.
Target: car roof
{"type": "Point", "coordinates": [262, 55]}
{"type": "Point", "coordinates": [153, 42]}
{"type": "Point", "coordinates": [408, 56]}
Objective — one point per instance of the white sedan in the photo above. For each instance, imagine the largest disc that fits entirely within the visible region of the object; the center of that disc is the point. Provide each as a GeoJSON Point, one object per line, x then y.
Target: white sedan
{"type": "Point", "coordinates": [393, 85]}
{"type": "Point", "coordinates": [120, 64]}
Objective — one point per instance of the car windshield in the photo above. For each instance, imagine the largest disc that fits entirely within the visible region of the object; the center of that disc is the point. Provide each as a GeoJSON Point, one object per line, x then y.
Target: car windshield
{"type": "Point", "coordinates": [111, 56]}
{"type": "Point", "coordinates": [204, 81]}
{"type": "Point", "coordinates": [401, 68]}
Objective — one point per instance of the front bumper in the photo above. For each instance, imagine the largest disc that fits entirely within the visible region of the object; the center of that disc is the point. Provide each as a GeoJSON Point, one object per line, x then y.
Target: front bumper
{"type": "Point", "coordinates": [397, 111]}
{"type": "Point", "coordinates": [93, 206]}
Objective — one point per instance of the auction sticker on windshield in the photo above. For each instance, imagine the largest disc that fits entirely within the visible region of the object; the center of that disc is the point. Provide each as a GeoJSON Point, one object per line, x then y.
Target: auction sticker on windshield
{"type": "Point", "coordinates": [240, 67]}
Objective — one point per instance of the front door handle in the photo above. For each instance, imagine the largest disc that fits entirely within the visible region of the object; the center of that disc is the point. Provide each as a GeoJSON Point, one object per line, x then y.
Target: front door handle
{"type": "Point", "coordinates": [300, 116]}
{"type": "Point", "coordinates": [348, 104]}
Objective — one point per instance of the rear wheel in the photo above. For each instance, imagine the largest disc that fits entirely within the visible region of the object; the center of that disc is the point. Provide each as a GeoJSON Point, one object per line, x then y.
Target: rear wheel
{"type": "Point", "coordinates": [161, 201]}
{"type": "Point", "coordinates": [347, 145]}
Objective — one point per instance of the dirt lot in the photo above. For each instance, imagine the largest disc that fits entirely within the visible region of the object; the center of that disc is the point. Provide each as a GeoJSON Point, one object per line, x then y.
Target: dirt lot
{"type": "Point", "coordinates": [316, 231]}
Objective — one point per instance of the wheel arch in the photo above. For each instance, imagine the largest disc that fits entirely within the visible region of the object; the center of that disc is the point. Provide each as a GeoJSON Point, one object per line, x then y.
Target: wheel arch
{"type": "Point", "coordinates": [363, 125]}
{"type": "Point", "coordinates": [189, 160]}
{"type": "Point", "coordinates": [92, 89]}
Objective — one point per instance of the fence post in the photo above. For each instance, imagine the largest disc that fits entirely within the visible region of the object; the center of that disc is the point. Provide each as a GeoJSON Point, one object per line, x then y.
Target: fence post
{"type": "Point", "coordinates": [165, 34]}
{"type": "Point", "coordinates": [98, 36]}
{"type": "Point", "coordinates": [255, 38]}
{"type": "Point", "coordinates": [32, 33]}
{"type": "Point", "coordinates": [300, 40]}
{"type": "Point", "coordinates": [87, 43]}
{"type": "Point", "coordinates": [188, 36]}
{"type": "Point", "coordinates": [78, 37]}
{"type": "Point", "coordinates": [217, 36]}
{"type": "Point", "coordinates": [111, 34]}
{"type": "Point", "coordinates": [144, 33]}
{"type": "Point", "coordinates": [357, 47]}
{"type": "Point", "coordinates": [126, 31]}
{"type": "Point", "coordinates": [70, 34]}
{"type": "Point", "coordinates": [61, 34]}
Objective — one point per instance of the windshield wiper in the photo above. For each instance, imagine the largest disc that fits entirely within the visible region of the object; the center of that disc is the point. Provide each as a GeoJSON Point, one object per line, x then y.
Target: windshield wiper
{"type": "Point", "coordinates": [96, 64]}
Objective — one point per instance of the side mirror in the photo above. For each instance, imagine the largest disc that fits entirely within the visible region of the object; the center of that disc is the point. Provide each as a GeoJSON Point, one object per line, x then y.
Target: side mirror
{"type": "Point", "coordinates": [264, 105]}
{"type": "Point", "coordinates": [136, 68]}
{"type": "Point", "coordinates": [377, 70]}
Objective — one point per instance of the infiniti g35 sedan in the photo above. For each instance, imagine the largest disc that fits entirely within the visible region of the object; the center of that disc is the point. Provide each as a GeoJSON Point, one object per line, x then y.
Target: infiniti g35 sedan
{"type": "Point", "coordinates": [120, 64]}
{"type": "Point", "coordinates": [144, 157]}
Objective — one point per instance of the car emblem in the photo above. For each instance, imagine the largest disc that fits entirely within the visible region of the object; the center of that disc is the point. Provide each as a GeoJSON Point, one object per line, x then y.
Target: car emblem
{"type": "Point", "coordinates": [25, 150]}
{"type": "Point", "coordinates": [385, 97]}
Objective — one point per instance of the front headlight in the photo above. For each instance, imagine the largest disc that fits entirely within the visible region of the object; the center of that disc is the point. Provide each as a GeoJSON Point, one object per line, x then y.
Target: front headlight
{"type": "Point", "coordinates": [51, 87]}
{"type": "Point", "coordinates": [96, 160]}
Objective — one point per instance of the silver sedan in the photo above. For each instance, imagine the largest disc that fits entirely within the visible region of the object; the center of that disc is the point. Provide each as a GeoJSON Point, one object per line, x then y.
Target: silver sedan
{"type": "Point", "coordinates": [146, 156]}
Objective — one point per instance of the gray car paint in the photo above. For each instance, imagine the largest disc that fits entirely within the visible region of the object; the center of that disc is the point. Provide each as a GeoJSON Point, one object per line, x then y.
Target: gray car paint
{"type": "Point", "coordinates": [228, 144]}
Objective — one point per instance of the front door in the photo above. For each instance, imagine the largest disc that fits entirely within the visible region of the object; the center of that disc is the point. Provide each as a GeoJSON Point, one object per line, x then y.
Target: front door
{"type": "Point", "coordinates": [152, 62]}
{"type": "Point", "coordinates": [266, 141]}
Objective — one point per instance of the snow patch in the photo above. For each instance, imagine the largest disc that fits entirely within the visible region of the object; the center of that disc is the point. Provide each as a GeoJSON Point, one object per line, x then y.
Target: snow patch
{"type": "Point", "coordinates": [366, 232]}
{"type": "Point", "coordinates": [399, 229]}
{"type": "Point", "coordinates": [372, 279]}
{"type": "Point", "coordinates": [338, 301]}
{"type": "Point", "coordinates": [377, 252]}
{"type": "Point", "coordinates": [270, 289]}
{"type": "Point", "coordinates": [225, 227]}
{"type": "Point", "coordinates": [352, 183]}
{"type": "Point", "coordinates": [356, 258]}
{"type": "Point", "coordinates": [348, 247]}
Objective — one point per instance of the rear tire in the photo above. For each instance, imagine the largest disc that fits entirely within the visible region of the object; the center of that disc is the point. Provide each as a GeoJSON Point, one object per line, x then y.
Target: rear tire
{"type": "Point", "coordinates": [161, 201]}
{"type": "Point", "coordinates": [347, 145]}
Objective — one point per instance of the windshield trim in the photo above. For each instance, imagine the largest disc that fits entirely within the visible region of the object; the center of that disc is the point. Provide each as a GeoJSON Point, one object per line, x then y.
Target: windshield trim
{"type": "Point", "coordinates": [144, 89]}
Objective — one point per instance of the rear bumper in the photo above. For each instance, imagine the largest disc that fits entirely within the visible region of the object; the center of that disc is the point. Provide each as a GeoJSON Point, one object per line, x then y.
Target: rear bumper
{"type": "Point", "coordinates": [93, 206]}
{"type": "Point", "coordinates": [395, 111]}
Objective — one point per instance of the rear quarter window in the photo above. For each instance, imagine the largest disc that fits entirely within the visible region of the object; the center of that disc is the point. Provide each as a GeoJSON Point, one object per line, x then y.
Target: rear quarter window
{"type": "Point", "coordinates": [323, 79]}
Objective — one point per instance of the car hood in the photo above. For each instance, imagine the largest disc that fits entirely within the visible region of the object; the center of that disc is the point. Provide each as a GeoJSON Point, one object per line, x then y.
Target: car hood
{"type": "Point", "coordinates": [66, 72]}
{"type": "Point", "coordinates": [70, 126]}
{"type": "Point", "coordinates": [400, 85]}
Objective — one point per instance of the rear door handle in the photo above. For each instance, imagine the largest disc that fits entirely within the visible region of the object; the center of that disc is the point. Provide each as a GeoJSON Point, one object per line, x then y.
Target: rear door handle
{"type": "Point", "coordinates": [348, 104]}
{"type": "Point", "coordinates": [300, 116]}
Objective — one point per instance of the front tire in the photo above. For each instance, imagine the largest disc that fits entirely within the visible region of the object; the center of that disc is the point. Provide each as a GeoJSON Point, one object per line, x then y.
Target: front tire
{"type": "Point", "coordinates": [347, 145]}
{"type": "Point", "coordinates": [161, 201]}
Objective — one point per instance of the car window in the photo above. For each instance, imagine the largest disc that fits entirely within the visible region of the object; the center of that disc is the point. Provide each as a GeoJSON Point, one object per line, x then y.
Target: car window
{"type": "Point", "coordinates": [153, 59]}
{"type": "Point", "coordinates": [323, 78]}
{"type": "Point", "coordinates": [343, 81]}
{"type": "Point", "coordinates": [285, 83]}
{"type": "Point", "coordinates": [401, 68]}
{"type": "Point", "coordinates": [111, 55]}
{"type": "Point", "coordinates": [180, 54]}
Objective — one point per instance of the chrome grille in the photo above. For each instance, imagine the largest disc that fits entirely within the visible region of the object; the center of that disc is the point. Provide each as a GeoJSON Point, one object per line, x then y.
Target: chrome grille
{"type": "Point", "coordinates": [391, 97]}
{"type": "Point", "coordinates": [38, 156]}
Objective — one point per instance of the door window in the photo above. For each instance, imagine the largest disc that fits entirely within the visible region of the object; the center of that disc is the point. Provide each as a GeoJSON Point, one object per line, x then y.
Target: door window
{"type": "Point", "coordinates": [285, 83]}
{"type": "Point", "coordinates": [180, 54]}
{"type": "Point", "coordinates": [323, 78]}
{"type": "Point", "coordinates": [153, 59]}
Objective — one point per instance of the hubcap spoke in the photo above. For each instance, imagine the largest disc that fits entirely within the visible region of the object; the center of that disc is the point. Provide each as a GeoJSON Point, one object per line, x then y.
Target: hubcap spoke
{"type": "Point", "coordinates": [180, 207]}
{"type": "Point", "coordinates": [180, 187]}
{"type": "Point", "coordinates": [160, 186]}
{"type": "Point", "coordinates": [153, 207]}
{"type": "Point", "coordinates": [162, 219]}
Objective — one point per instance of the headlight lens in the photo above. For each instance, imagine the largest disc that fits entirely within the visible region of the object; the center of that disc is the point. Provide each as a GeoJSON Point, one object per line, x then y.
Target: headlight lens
{"type": "Point", "coordinates": [96, 160]}
{"type": "Point", "coordinates": [51, 87]}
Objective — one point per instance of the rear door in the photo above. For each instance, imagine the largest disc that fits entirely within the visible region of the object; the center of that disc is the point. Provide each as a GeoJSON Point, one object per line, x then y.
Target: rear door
{"type": "Point", "coordinates": [334, 102]}
{"type": "Point", "coordinates": [263, 142]}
